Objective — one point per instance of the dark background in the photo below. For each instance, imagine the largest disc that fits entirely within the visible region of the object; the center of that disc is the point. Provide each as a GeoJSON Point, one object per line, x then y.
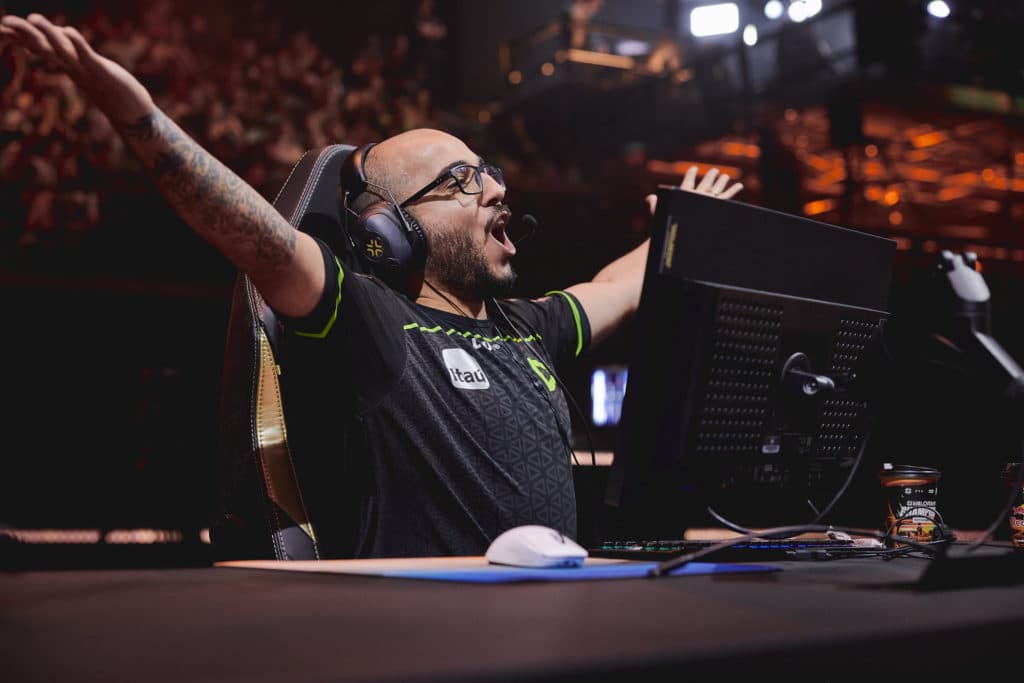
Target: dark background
{"type": "Point", "coordinates": [872, 115]}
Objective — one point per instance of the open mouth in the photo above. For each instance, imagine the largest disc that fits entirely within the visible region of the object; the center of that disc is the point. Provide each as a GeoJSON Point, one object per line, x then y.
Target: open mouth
{"type": "Point", "coordinates": [496, 227]}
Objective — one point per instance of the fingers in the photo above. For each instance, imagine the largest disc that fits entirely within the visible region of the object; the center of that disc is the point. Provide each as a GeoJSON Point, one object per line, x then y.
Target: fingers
{"type": "Point", "coordinates": [58, 40]}
{"type": "Point", "coordinates": [708, 181]}
{"type": "Point", "coordinates": [690, 179]}
{"type": "Point", "coordinates": [731, 192]}
{"type": "Point", "coordinates": [652, 202]}
{"type": "Point", "coordinates": [714, 183]}
{"type": "Point", "coordinates": [28, 36]}
{"type": "Point", "coordinates": [62, 46]}
{"type": "Point", "coordinates": [720, 184]}
{"type": "Point", "coordinates": [81, 46]}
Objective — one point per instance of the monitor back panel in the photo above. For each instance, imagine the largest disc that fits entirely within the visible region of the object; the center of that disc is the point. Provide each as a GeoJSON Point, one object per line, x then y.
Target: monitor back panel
{"type": "Point", "coordinates": [731, 292]}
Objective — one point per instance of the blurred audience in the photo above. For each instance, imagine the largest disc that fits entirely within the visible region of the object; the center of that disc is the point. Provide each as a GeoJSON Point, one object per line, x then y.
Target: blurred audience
{"type": "Point", "coordinates": [256, 94]}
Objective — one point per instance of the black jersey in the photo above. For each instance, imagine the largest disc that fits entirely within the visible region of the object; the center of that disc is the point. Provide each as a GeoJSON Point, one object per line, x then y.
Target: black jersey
{"type": "Point", "coordinates": [445, 430]}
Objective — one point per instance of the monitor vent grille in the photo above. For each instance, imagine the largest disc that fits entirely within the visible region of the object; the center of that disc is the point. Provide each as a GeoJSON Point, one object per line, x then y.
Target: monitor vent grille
{"type": "Point", "coordinates": [851, 339]}
{"type": "Point", "coordinates": [744, 354]}
{"type": "Point", "coordinates": [838, 435]}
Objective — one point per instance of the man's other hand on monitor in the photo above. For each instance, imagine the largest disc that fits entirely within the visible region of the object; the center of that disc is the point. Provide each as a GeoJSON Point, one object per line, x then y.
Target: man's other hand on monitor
{"type": "Point", "coordinates": [713, 184]}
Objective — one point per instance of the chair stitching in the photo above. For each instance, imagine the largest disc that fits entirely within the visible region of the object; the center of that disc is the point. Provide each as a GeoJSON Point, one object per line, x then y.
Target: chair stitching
{"type": "Point", "coordinates": [290, 173]}
{"type": "Point", "coordinates": [307, 195]}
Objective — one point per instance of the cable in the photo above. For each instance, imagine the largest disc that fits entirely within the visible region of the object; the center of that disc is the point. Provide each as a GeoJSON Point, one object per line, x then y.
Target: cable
{"type": "Point", "coordinates": [531, 222]}
{"type": "Point", "coordinates": [571, 400]}
{"type": "Point", "coordinates": [565, 391]}
{"type": "Point", "coordinates": [444, 296]}
{"type": "Point", "coordinates": [820, 515]}
{"type": "Point", "coordinates": [941, 529]}
{"type": "Point", "coordinates": [1006, 509]}
{"type": "Point", "coordinates": [531, 225]}
{"type": "Point", "coordinates": [668, 566]}
{"type": "Point", "coordinates": [731, 526]}
{"type": "Point", "coordinates": [512, 355]}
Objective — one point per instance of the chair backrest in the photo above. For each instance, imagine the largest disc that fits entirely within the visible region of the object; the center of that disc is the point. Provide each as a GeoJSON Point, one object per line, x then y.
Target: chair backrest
{"type": "Point", "coordinates": [262, 514]}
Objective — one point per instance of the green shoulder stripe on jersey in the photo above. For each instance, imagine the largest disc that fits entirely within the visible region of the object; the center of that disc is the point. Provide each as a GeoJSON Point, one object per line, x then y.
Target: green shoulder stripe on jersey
{"type": "Point", "coordinates": [334, 314]}
{"type": "Point", "coordinates": [575, 317]}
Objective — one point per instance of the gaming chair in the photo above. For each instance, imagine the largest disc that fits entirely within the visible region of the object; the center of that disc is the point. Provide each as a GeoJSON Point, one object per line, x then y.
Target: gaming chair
{"type": "Point", "coordinates": [262, 513]}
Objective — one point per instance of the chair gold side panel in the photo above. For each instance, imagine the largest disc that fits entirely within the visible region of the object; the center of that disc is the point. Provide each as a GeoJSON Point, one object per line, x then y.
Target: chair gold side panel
{"type": "Point", "coordinates": [272, 438]}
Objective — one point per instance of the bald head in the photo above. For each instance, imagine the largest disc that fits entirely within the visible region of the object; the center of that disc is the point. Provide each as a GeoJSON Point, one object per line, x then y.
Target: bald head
{"type": "Point", "coordinates": [406, 162]}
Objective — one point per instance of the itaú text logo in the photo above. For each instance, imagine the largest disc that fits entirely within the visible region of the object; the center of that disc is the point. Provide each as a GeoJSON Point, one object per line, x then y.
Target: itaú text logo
{"type": "Point", "coordinates": [464, 370]}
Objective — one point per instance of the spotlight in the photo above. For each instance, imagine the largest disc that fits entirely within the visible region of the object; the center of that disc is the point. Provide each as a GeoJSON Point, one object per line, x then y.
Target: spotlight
{"type": "Point", "coordinates": [750, 35]}
{"type": "Point", "coordinates": [812, 7]}
{"type": "Point", "coordinates": [715, 20]}
{"type": "Point", "coordinates": [938, 9]}
{"type": "Point", "coordinates": [773, 9]}
{"type": "Point", "coordinates": [797, 11]}
{"type": "Point", "coordinates": [633, 48]}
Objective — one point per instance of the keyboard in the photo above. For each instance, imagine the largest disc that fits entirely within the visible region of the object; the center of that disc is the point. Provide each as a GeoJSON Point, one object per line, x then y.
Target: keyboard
{"type": "Point", "coordinates": [759, 550]}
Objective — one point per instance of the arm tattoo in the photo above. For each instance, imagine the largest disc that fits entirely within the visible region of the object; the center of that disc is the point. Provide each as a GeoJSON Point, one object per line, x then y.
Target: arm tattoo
{"type": "Point", "coordinates": [211, 198]}
{"type": "Point", "coordinates": [143, 129]}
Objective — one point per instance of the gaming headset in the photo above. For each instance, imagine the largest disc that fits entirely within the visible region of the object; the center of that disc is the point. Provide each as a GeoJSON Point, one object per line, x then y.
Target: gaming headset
{"type": "Point", "coordinates": [385, 236]}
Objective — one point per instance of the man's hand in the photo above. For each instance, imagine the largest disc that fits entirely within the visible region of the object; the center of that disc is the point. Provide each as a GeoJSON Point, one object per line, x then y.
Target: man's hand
{"type": "Point", "coordinates": [285, 264]}
{"type": "Point", "coordinates": [107, 84]}
{"type": "Point", "coordinates": [713, 184]}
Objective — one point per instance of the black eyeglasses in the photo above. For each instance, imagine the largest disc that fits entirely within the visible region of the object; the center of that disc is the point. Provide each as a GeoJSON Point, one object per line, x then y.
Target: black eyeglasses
{"type": "Point", "coordinates": [469, 179]}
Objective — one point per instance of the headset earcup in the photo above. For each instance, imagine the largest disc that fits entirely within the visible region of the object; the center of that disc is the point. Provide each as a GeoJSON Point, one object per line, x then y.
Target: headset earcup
{"type": "Point", "coordinates": [417, 239]}
{"type": "Point", "coordinates": [386, 237]}
{"type": "Point", "coordinates": [384, 243]}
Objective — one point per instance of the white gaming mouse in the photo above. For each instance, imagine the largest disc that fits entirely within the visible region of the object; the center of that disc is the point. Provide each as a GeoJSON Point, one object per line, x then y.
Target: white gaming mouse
{"type": "Point", "coordinates": [533, 545]}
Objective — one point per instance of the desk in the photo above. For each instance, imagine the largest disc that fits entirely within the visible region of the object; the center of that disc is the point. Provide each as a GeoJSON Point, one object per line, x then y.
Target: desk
{"type": "Point", "coordinates": [813, 620]}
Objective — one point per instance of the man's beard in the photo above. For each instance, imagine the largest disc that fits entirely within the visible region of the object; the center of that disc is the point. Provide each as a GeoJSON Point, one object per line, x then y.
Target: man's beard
{"type": "Point", "coordinates": [458, 264]}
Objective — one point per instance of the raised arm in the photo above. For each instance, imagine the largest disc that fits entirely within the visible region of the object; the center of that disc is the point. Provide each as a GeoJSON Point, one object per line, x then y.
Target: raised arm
{"type": "Point", "coordinates": [613, 296]}
{"type": "Point", "coordinates": [283, 263]}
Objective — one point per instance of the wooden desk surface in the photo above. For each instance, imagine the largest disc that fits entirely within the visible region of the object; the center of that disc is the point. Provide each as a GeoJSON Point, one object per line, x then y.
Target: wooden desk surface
{"type": "Point", "coordinates": [838, 619]}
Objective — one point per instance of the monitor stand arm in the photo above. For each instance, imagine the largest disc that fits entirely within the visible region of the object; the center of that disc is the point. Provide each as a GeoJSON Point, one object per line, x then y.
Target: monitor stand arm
{"type": "Point", "coordinates": [990, 355]}
{"type": "Point", "coordinates": [797, 376]}
{"type": "Point", "coordinates": [967, 328]}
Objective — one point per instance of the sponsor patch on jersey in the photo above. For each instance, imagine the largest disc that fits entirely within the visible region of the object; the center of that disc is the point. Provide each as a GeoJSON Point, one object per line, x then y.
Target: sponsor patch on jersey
{"type": "Point", "coordinates": [463, 369]}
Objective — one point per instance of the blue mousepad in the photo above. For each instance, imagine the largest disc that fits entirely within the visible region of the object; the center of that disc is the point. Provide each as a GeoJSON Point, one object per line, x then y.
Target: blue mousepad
{"type": "Point", "coordinates": [629, 570]}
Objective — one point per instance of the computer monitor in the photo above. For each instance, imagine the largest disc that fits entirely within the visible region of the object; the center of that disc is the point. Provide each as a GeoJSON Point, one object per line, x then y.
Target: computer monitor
{"type": "Point", "coordinates": [607, 390]}
{"type": "Point", "coordinates": [742, 373]}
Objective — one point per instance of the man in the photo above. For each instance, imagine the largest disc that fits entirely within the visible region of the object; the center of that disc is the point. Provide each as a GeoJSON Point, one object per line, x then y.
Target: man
{"type": "Point", "coordinates": [450, 425]}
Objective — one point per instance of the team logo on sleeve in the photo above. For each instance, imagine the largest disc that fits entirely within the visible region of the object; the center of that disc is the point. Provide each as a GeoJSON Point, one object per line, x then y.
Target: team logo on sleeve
{"type": "Point", "coordinates": [464, 370]}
